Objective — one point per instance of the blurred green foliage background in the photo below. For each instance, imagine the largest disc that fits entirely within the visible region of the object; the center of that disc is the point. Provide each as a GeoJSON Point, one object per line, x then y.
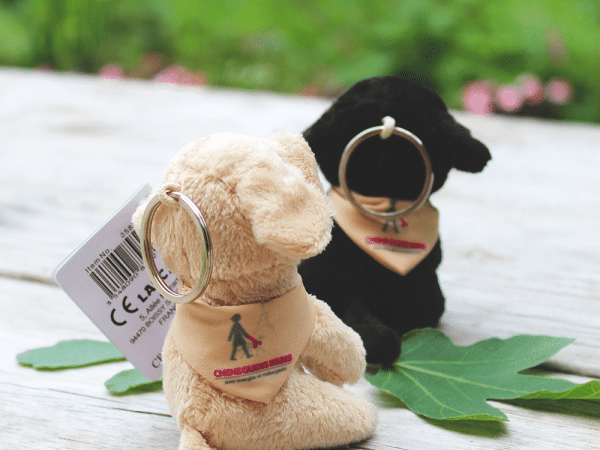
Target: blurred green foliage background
{"type": "Point", "coordinates": [319, 46]}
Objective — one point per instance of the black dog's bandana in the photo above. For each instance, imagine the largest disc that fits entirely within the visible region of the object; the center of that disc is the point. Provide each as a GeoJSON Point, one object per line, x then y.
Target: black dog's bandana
{"type": "Point", "coordinates": [400, 246]}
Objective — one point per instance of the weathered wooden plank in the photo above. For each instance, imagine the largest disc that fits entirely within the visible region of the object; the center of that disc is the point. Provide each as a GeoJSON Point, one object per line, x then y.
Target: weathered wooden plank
{"type": "Point", "coordinates": [35, 316]}
{"type": "Point", "coordinates": [72, 409]}
{"type": "Point", "coordinates": [479, 312]}
{"type": "Point", "coordinates": [60, 420]}
{"type": "Point", "coordinates": [520, 239]}
{"type": "Point", "coordinates": [44, 418]}
{"type": "Point", "coordinates": [74, 147]}
{"type": "Point", "coordinates": [520, 252]}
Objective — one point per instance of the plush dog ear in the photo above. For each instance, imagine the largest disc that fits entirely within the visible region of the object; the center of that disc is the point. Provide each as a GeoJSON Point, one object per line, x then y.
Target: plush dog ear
{"type": "Point", "coordinates": [288, 214]}
{"type": "Point", "coordinates": [470, 156]}
{"type": "Point", "coordinates": [467, 153]}
{"type": "Point", "coordinates": [294, 150]}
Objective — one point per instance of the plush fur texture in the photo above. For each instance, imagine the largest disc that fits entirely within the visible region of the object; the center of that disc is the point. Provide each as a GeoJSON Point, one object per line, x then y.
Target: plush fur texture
{"type": "Point", "coordinates": [265, 209]}
{"type": "Point", "coordinates": [378, 303]}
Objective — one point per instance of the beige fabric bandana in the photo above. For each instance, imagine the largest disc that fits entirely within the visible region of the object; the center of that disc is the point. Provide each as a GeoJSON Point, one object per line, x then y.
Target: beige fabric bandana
{"type": "Point", "coordinates": [398, 246]}
{"type": "Point", "coordinates": [247, 350]}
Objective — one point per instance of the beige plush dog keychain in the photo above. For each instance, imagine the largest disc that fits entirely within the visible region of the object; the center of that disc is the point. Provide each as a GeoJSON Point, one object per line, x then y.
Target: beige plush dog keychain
{"type": "Point", "coordinates": [251, 360]}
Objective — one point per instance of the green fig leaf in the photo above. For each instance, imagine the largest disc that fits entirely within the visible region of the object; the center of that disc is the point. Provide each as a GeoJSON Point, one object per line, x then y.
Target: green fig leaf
{"type": "Point", "coordinates": [440, 380]}
{"type": "Point", "coordinates": [70, 355]}
{"type": "Point", "coordinates": [131, 382]}
{"type": "Point", "coordinates": [585, 391]}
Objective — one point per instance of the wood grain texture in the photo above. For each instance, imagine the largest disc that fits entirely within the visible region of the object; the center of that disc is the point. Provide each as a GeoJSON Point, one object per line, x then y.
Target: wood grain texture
{"type": "Point", "coordinates": [71, 409]}
{"type": "Point", "coordinates": [521, 243]}
{"type": "Point", "coordinates": [520, 240]}
{"type": "Point", "coordinates": [74, 147]}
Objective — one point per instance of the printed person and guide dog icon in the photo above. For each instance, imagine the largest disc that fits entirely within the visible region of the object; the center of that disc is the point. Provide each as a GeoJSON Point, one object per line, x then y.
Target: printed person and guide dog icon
{"type": "Point", "coordinates": [238, 336]}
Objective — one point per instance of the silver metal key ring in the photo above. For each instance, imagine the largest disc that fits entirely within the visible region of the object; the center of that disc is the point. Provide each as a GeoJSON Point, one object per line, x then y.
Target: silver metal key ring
{"type": "Point", "coordinates": [386, 217]}
{"type": "Point", "coordinates": [147, 254]}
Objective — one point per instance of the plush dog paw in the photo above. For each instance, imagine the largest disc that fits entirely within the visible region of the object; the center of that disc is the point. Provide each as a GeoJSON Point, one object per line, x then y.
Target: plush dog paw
{"type": "Point", "coordinates": [382, 343]}
{"type": "Point", "coordinates": [192, 440]}
{"type": "Point", "coordinates": [335, 352]}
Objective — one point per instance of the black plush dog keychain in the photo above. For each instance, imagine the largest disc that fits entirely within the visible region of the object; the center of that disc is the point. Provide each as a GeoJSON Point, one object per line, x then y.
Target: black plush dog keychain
{"type": "Point", "coordinates": [378, 274]}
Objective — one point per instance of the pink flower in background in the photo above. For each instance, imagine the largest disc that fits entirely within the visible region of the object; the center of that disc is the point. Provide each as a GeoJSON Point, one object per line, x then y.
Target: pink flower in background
{"type": "Point", "coordinates": [171, 74]}
{"type": "Point", "coordinates": [477, 97]}
{"type": "Point", "coordinates": [559, 91]}
{"type": "Point", "coordinates": [180, 75]}
{"type": "Point", "coordinates": [508, 98]}
{"type": "Point", "coordinates": [483, 97]}
{"type": "Point", "coordinates": [531, 88]}
{"type": "Point", "coordinates": [192, 79]}
{"type": "Point", "coordinates": [111, 71]}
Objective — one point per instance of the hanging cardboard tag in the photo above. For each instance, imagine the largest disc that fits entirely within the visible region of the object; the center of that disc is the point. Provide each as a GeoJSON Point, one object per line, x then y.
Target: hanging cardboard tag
{"type": "Point", "coordinates": [105, 276]}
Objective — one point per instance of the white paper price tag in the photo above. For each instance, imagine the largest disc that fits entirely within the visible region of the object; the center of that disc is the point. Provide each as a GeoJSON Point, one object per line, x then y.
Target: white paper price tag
{"type": "Point", "coordinates": [106, 278]}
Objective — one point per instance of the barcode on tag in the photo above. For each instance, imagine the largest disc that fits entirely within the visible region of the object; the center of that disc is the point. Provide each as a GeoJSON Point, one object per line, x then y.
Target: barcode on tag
{"type": "Point", "coordinates": [105, 276]}
{"type": "Point", "coordinates": [113, 273]}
